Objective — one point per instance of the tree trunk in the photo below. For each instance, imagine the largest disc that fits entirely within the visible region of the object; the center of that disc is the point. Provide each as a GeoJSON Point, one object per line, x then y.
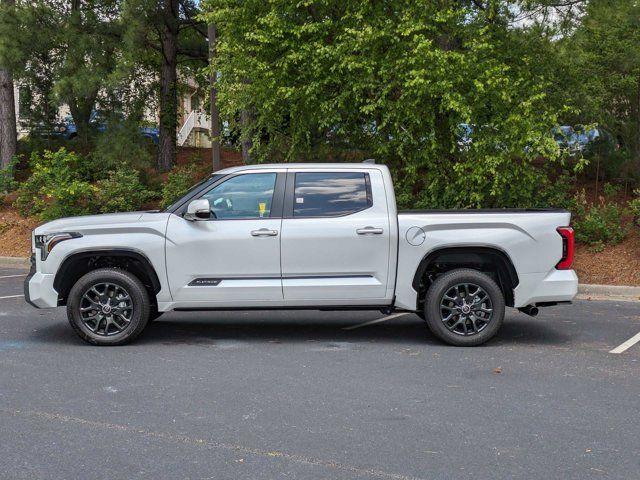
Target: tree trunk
{"type": "Point", "coordinates": [81, 109]}
{"type": "Point", "coordinates": [8, 133]}
{"type": "Point", "coordinates": [168, 86]}
{"type": "Point", "coordinates": [247, 143]}
{"type": "Point", "coordinates": [215, 114]}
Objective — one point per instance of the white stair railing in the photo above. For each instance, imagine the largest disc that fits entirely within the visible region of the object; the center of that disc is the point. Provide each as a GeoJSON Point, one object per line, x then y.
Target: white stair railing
{"type": "Point", "coordinates": [194, 120]}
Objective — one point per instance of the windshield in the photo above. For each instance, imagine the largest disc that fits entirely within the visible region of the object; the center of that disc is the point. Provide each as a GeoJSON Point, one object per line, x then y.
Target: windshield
{"type": "Point", "coordinates": [189, 192]}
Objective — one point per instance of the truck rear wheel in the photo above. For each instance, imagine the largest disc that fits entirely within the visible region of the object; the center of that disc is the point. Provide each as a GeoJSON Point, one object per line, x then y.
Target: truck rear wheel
{"type": "Point", "coordinates": [464, 307]}
{"type": "Point", "coordinates": [108, 306]}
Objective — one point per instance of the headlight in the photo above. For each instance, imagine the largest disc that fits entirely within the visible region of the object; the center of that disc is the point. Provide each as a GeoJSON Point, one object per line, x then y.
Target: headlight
{"type": "Point", "coordinates": [46, 242]}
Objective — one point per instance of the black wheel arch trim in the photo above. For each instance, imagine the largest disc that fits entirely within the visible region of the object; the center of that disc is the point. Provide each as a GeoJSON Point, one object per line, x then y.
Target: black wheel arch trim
{"type": "Point", "coordinates": [144, 261]}
{"type": "Point", "coordinates": [469, 253]}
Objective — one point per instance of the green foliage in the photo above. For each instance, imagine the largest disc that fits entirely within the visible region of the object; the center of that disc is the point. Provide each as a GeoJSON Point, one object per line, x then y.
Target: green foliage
{"type": "Point", "coordinates": [368, 80]}
{"type": "Point", "coordinates": [179, 180]}
{"type": "Point", "coordinates": [634, 207]}
{"type": "Point", "coordinates": [602, 65]}
{"type": "Point", "coordinates": [597, 225]}
{"type": "Point", "coordinates": [7, 177]}
{"type": "Point", "coordinates": [610, 190]}
{"type": "Point", "coordinates": [122, 145]}
{"type": "Point", "coordinates": [58, 186]}
{"type": "Point", "coordinates": [122, 191]}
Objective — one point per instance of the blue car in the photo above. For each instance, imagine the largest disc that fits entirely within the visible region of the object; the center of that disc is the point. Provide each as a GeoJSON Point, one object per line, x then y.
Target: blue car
{"type": "Point", "coordinates": [67, 128]}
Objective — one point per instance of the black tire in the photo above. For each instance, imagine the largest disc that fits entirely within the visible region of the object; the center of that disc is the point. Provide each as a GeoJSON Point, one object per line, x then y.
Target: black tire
{"type": "Point", "coordinates": [475, 315]}
{"type": "Point", "coordinates": [128, 307]}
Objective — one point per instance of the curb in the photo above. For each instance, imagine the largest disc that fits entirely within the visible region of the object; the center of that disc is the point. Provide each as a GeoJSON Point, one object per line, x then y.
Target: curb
{"type": "Point", "coordinates": [15, 262]}
{"type": "Point", "coordinates": [609, 292]}
{"type": "Point", "coordinates": [585, 291]}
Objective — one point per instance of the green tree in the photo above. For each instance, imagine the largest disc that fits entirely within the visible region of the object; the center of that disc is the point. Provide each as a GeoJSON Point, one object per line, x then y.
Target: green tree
{"type": "Point", "coordinates": [604, 54]}
{"type": "Point", "coordinates": [63, 52]}
{"type": "Point", "coordinates": [8, 135]}
{"type": "Point", "coordinates": [161, 35]}
{"type": "Point", "coordinates": [396, 80]}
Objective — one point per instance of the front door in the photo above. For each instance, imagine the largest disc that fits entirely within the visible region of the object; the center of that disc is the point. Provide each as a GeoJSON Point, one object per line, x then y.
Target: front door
{"type": "Point", "coordinates": [335, 238]}
{"type": "Point", "coordinates": [233, 258]}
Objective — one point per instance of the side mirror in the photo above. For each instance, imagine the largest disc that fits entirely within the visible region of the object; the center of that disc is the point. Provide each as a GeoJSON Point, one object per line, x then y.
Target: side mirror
{"type": "Point", "coordinates": [198, 210]}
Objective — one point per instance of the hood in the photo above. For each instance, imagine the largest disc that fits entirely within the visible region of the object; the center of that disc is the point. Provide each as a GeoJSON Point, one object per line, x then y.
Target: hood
{"type": "Point", "coordinates": [97, 222]}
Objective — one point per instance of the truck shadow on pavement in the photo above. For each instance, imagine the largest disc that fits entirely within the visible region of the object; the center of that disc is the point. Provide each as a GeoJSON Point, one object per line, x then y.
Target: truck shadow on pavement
{"type": "Point", "coordinates": [211, 330]}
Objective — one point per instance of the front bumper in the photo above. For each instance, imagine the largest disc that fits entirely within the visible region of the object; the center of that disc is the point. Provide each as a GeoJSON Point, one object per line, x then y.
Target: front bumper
{"type": "Point", "coordinates": [38, 288]}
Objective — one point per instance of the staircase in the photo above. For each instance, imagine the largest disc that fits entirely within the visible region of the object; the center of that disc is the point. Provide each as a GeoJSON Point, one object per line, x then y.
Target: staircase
{"type": "Point", "coordinates": [195, 120]}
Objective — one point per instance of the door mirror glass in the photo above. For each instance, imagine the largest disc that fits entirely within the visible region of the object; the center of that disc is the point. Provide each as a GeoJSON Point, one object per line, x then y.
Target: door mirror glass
{"type": "Point", "coordinates": [198, 210]}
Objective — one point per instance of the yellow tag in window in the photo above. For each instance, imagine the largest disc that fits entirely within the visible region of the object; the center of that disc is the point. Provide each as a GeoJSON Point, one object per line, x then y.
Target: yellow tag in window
{"type": "Point", "coordinates": [262, 207]}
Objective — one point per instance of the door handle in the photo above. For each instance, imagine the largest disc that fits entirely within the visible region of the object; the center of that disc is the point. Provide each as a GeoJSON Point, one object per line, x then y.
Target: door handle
{"type": "Point", "coordinates": [369, 231]}
{"type": "Point", "coordinates": [264, 232]}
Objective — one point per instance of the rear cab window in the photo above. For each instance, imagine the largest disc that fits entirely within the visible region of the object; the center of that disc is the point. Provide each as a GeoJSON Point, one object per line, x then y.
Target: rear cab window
{"type": "Point", "coordinates": [330, 194]}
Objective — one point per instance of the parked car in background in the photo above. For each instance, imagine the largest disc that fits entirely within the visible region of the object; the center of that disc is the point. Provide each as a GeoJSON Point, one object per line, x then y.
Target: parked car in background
{"type": "Point", "coordinates": [581, 140]}
{"type": "Point", "coordinates": [67, 129]}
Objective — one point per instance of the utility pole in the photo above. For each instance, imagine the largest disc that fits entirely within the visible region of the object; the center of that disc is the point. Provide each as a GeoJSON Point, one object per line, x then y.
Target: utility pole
{"type": "Point", "coordinates": [215, 114]}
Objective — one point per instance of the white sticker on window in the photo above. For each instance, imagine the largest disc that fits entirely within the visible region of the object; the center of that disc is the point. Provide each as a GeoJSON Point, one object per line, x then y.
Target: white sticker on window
{"type": "Point", "coordinates": [299, 200]}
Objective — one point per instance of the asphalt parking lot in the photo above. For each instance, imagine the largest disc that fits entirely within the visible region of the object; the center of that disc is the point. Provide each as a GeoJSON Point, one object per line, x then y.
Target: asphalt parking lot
{"type": "Point", "coordinates": [266, 395]}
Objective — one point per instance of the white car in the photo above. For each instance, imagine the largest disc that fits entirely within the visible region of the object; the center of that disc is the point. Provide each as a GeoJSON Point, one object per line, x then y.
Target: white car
{"type": "Point", "coordinates": [302, 236]}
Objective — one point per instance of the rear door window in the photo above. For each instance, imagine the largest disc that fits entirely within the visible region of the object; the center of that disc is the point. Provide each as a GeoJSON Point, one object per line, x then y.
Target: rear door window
{"type": "Point", "coordinates": [331, 194]}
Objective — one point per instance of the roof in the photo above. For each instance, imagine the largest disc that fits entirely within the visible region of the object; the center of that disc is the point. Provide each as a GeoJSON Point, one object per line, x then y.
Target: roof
{"type": "Point", "coordinates": [303, 166]}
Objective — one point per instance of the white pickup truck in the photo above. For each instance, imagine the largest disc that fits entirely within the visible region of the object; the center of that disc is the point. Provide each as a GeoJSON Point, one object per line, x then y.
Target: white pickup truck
{"type": "Point", "coordinates": [302, 236]}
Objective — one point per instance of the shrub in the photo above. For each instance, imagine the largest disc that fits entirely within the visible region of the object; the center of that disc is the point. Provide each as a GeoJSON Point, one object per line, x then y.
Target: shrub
{"type": "Point", "coordinates": [7, 179]}
{"type": "Point", "coordinates": [122, 191]}
{"type": "Point", "coordinates": [57, 186]}
{"type": "Point", "coordinates": [178, 182]}
{"type": "Point", "coordinates": [610, 190]}
{"type": "Point", "coordinates": [597, 225]}
{"type": "Point", "coordinates": [634, 207]}
{"type": "Point", "coordinates": [122, 145]}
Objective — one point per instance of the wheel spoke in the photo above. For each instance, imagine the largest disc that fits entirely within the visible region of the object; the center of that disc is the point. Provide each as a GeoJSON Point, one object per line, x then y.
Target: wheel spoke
{"type": "Point", "coordinates": [106, 309]}
{"type": "Point", "coordinates": [466, 309]}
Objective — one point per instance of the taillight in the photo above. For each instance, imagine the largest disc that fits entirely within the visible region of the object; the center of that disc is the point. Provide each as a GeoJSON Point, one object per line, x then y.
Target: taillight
{"type": "Point", "coordinates": [567, 248]}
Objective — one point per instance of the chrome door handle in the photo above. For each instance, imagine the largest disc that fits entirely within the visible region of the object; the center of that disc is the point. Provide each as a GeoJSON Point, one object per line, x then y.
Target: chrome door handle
{"type": "Point", "coordinates": [369, 231]}
{"type": "Point", "coordinates": [264, 232]}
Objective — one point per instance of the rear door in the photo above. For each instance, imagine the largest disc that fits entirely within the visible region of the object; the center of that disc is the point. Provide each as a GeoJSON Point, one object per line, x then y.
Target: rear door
{"type": "Point", "coordinates": [335, 237]}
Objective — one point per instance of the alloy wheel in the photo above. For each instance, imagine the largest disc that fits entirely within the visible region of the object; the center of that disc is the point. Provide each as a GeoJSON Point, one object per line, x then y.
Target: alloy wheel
{"type": "Point", "coordinates": [106, 309]}
{"type": "Point", "coordinates": [466, 309]}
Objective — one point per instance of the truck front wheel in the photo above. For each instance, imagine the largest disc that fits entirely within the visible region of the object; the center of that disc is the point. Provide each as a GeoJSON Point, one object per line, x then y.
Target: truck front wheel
{"type": "Point", "coordinates": [464, 307]}
{"type": "Point", "coordinates": [108, 306]}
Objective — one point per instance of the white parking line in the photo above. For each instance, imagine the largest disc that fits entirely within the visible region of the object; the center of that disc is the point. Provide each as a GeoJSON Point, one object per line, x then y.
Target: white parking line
{"type": "Point", "coordinates": [377, 320]}
{"type": "Point", "coordinates": [627, 345]}
{"type": "Point", "coordinates": [11, 276]}
{"type": "Point", "coordinates": [11, 296]}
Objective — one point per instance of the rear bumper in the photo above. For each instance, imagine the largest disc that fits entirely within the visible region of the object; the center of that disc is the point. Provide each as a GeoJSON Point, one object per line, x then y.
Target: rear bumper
{"type": "Point", "coordinates": [555, 286]}
{"type": "Point", "coordinates": [38, 288]}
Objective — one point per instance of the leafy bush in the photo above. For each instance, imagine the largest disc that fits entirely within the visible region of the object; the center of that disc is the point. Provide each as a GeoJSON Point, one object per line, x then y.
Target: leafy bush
{"type": "Point", "coordinates": [122, 191]}
{"type": "Point", "coordinates": [634, 207]}
{"type": "Point", "coordinates": [597, 225]}
{"type": "Point", "coordinates": [57, 187]}
{"type": "Point", "coordinates": [610, 190]}
{"type": "Point", "coordinates": [121, 145]}
{"type": "Point", "coordinates": [7, 179]}
{"type": "Point", "coordinates": [178, 182]}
